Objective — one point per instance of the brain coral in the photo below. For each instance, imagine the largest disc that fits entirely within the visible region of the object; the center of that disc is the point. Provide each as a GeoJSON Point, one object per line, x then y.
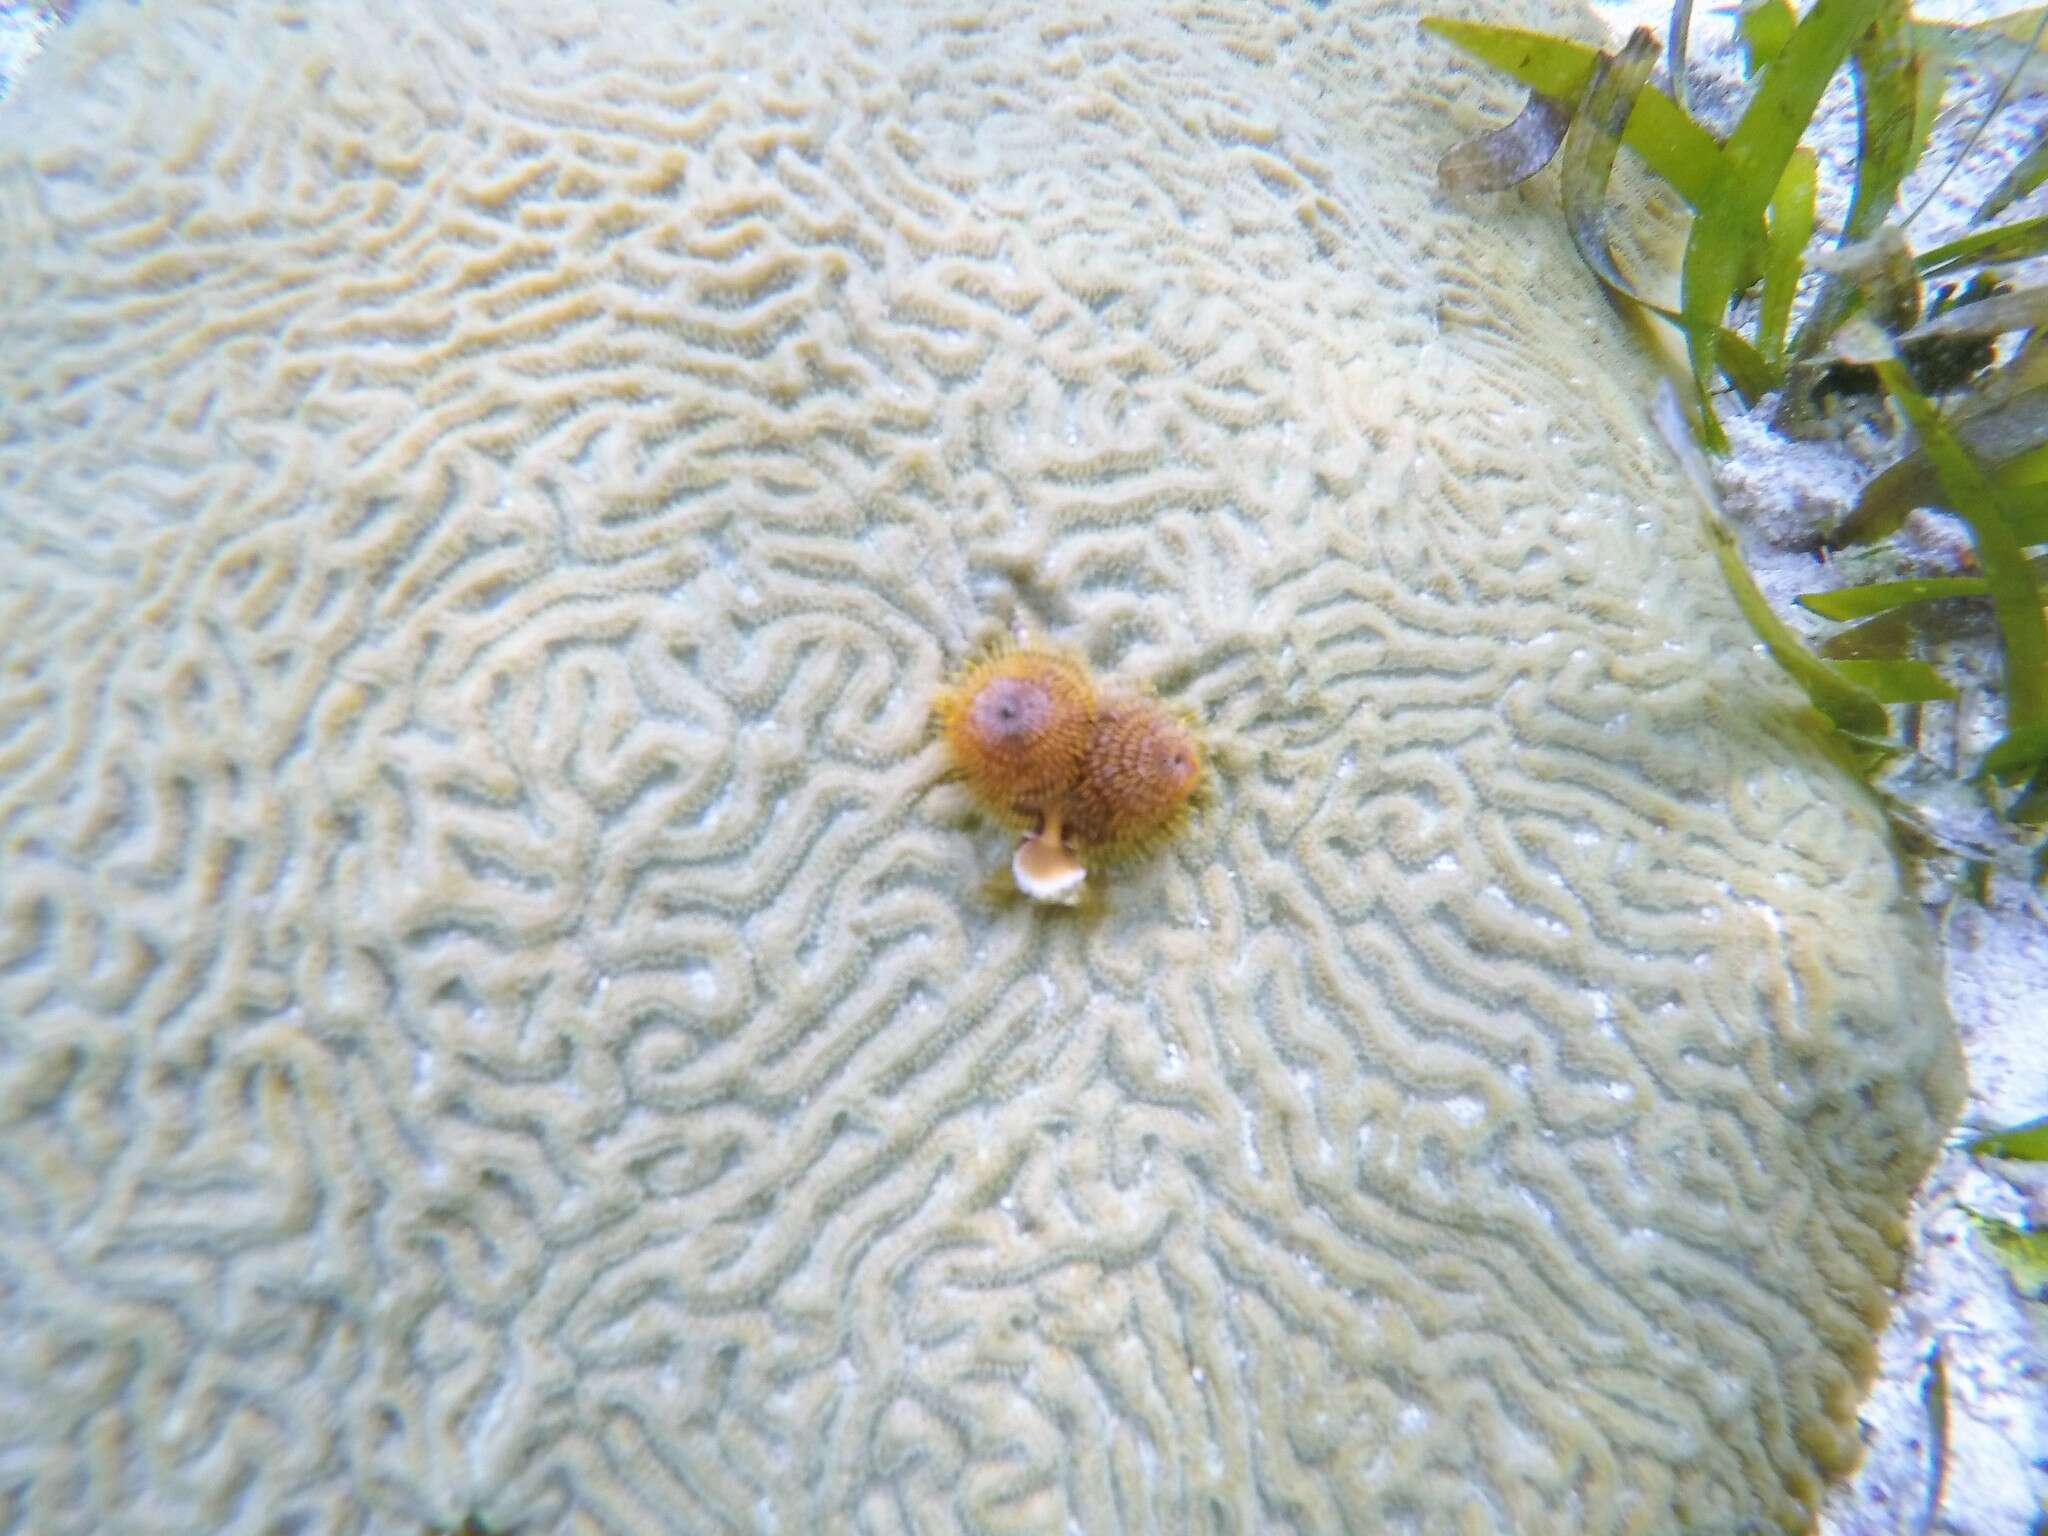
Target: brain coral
{"type": "Point", "coordinates": [497, 1012]}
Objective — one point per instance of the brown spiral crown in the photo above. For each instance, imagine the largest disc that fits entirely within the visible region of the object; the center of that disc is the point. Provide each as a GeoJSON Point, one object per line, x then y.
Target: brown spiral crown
{"type": "Point", "coordinates": [1141, 768]}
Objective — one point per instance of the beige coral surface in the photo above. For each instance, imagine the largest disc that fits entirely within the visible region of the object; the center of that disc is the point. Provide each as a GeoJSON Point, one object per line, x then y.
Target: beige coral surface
{"type": "Point", "coordinates": [496, 1011]}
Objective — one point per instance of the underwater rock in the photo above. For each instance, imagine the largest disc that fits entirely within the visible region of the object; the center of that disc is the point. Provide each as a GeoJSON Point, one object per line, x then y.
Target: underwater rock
{"type": "Point", "coordinates": [495, 1016]}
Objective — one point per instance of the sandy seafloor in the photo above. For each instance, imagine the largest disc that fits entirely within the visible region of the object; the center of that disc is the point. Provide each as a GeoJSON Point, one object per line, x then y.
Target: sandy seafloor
{"type": "Point", "coordinates": [1988, 1475]}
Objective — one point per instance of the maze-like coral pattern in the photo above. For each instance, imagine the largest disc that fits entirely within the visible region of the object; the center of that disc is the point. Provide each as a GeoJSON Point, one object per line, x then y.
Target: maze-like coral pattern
{"type": "Point", "coordinates": [497, 1010]}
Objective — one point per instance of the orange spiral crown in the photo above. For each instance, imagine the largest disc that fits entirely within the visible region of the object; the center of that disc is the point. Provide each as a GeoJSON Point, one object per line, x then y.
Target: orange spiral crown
{"type": "Point", "coordinates": [1015, 728]}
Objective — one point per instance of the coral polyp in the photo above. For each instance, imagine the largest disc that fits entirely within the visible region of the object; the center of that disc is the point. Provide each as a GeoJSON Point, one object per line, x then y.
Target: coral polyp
{"type": "Point", "coordinates": [1016, 727]}
{"type": "Point", "coordinates": [1138, 775]}
{"type": "Point", "coordinates": [1089, 780]}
